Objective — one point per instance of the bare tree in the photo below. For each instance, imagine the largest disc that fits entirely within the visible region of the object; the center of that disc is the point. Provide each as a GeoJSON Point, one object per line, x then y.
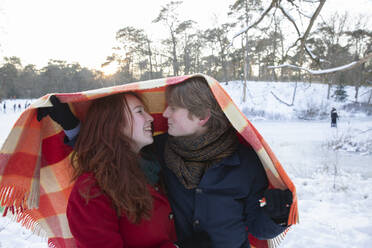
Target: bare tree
{"type": "Point", "coordinates": [285, 8]}
{"type": "Point", "coordinates": [217, 38]}
{"type": "Point", "coordinates": [246, 8]}
{"type": "Point", "coordinates": [184, 30]}
{"type": "Point", "coordinates": [134, 52]}
{"type": "Point", "coordinates": [341, 68]}
{"type": "Point", "coordinates": [360, 39]}
{"type": "Point", "coordinates": [169, 17]}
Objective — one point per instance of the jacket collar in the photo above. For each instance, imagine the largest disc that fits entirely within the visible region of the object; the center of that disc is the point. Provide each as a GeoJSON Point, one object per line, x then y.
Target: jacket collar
{"type": "Point", "coordinates": [232, 160]}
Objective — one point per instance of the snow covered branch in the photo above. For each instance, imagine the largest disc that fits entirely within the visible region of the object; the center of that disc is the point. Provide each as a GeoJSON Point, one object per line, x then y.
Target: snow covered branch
{"type": "Point", "coordinates": [290, 18]}
{"type": "Point", "coordinates": [280, 100]}
{"type": "Point", "coordinates": [303, 37]}
{"type": "Point", "coordinates": [326, 71]}
{"type": "Point", "coordinates": [264, 13]}
{"type": "Point", "coordinates": [312, 20]}
{"type": "Point", "coordinates": [293, 97]}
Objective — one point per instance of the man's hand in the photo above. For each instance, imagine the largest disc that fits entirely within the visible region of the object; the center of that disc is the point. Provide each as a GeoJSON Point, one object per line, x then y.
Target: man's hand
{"type": "Point", "coordinates": [278, 203]}
{"type": "Point", "coordinates": [60, 113]}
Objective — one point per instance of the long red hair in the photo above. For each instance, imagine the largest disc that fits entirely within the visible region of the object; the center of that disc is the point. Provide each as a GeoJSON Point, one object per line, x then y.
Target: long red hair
{"type": "Point", "coordinates": [105, 151]}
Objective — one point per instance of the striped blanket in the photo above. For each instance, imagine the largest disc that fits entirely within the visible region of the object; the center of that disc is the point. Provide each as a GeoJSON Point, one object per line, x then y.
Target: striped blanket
{"type": "Point", "coordinates": [35, 171]}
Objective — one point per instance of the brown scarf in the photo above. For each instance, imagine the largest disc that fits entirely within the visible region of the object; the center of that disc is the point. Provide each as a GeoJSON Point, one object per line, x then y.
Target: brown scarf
{"type": "Point", "coordinates": [190, 157]}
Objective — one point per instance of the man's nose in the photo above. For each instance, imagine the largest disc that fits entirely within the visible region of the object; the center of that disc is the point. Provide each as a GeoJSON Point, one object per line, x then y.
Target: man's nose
{"type": "Point", "coordinates": [166, 112]}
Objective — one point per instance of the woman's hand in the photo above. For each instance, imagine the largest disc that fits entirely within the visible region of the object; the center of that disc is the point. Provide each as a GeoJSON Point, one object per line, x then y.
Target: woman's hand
{"type": "Point", "coordinates": [60, 113]}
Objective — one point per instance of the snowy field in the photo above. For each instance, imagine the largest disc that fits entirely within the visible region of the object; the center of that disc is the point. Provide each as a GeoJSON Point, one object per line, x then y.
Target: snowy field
{"type": "Point", "coordinates": [331, 168]}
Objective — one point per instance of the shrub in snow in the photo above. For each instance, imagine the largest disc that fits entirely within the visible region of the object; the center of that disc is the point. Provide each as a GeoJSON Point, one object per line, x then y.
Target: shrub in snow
{"type": "Point", "coordinates": [356, 107]}
{"type": "Point", "coordinates": [259, 114]}
{"type": "Point", "coordinates": [351, 141]}
{"type": "Point", "coordinates": [251, 112]}
{"type": "Point", "coordinates": [312, 111]}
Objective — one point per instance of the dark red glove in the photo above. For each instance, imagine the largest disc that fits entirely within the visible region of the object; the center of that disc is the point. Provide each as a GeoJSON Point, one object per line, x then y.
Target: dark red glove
{"type": "Point", "coordinates": [278, 204]}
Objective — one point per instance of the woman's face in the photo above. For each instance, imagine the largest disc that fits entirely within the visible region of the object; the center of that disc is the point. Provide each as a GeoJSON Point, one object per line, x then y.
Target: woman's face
{"type": "Point", "coordinates": [141, 123]}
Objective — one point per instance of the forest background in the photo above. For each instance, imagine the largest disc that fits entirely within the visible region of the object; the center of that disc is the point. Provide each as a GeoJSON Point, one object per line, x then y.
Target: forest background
{"type": "Point", "coordinates": [268, 40]}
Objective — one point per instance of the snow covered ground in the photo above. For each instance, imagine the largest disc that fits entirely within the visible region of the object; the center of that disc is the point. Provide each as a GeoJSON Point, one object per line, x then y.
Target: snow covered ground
{"type": "Point", "coordinates": [334, 186]}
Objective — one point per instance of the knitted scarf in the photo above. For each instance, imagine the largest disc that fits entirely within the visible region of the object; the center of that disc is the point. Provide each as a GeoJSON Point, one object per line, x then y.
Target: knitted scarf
{"type": "Point", "coordinates": [189, 157]}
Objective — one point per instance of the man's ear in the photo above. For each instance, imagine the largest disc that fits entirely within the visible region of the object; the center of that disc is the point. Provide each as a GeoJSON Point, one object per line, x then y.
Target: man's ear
{"type": "Point", "coordinates": [204, 120]}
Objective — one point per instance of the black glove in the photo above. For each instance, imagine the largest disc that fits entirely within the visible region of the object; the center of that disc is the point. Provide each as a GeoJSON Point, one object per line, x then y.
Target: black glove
{"type": "Point", "coordinates": [60, 113]}
{"type": "Point", "coordinates": [278, 203]}
{"type": "Point", "coordinates": [197, 240]}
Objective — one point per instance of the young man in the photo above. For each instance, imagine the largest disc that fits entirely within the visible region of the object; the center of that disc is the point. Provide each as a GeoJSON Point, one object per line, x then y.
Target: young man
{"type": "Point", "coordinates": [214, 183]}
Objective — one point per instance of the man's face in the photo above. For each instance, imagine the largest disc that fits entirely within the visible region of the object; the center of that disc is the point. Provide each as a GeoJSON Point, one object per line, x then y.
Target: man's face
{"type": "Point", "coordinates": [181, 123]}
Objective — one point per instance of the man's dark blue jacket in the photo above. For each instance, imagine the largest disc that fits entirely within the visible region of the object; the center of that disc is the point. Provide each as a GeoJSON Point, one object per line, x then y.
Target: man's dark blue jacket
{"type": "Point", "coordinates": [225, 203]}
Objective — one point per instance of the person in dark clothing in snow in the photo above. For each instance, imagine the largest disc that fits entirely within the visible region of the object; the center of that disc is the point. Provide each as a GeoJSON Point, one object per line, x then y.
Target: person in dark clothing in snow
{"type": "Point", "coordinates": [334, 117]}
{"type": "Point", "coordinates": [214, 183]}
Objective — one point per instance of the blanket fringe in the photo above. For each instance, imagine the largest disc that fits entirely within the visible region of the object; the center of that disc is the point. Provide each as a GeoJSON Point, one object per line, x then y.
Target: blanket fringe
{"type": "Point", "coordinates": [51, 244]}
{"type": "Point", "coordinates": [275, 242]}
{"type": "Point", "coordinates": [16, 208]}
{"type": "Point", "coordinates": [20, 197]}
{"type": "Point", "coordinates": [12, 196]}
{"type": "Point", "coordinates": [26, 220]}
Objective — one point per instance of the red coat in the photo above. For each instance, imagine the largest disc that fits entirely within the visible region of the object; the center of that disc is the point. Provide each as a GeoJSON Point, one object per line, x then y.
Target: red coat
{"type": "Point", "coordinates": [96, 224]}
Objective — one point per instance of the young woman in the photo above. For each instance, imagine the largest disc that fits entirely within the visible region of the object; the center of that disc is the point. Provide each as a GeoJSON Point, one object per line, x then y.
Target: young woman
{"type": "Point", "coordinates": [116, 200]}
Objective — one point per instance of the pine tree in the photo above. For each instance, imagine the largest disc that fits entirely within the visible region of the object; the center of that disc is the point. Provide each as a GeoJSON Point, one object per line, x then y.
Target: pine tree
{"type": "Point", "coordinates": [340, 94]}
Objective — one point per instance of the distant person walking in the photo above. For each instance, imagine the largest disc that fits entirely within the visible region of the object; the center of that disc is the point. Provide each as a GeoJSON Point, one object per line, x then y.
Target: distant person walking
{"type": "Point", "coordinates": [4, 107]}
{"type": "Point", "coordinates": [334, 117]}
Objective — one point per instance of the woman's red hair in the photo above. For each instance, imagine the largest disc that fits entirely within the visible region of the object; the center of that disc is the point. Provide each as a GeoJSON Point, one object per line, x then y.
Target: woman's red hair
{"type": "Point", "coordinates": [105, 151]}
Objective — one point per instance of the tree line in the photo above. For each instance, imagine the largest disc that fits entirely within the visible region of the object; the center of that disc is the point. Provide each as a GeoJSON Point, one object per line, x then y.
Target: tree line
{"type": "Point", "coordinates": [272, 33]}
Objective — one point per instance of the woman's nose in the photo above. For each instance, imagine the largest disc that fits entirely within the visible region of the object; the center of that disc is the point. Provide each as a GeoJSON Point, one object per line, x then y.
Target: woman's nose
{"type": "Point", "coordinates": [149, 117]}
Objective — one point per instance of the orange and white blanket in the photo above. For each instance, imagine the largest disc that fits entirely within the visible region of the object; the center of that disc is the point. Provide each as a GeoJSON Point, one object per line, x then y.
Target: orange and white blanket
{"type": "Point", "coordinates": [35, 170]}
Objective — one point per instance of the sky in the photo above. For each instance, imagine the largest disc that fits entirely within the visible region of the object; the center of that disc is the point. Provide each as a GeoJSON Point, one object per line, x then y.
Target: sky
{"type": "Point", "coordinates": [83, 31]}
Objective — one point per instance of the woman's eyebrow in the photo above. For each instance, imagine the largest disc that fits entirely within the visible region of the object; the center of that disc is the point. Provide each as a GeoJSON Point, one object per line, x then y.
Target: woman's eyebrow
{"type": "Point", "coordinates": [138, 106]}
